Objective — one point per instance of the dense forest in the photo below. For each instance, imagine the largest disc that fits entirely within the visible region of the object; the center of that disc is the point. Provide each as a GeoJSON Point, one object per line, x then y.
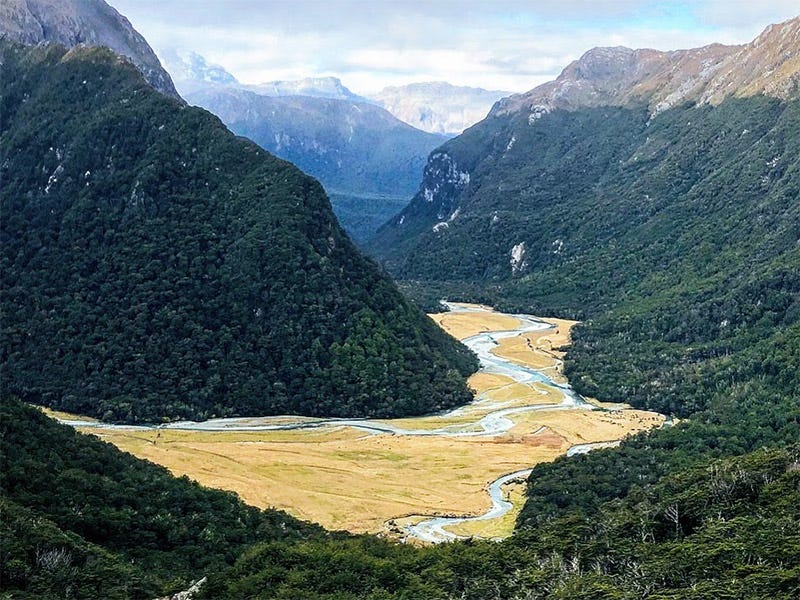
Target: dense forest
{"type": "Point", "coordinates": [156, 267]}
{"type": "Point", "coordinates": [676, 244]}
{"type": "Point", "coordinates": [80, 519]}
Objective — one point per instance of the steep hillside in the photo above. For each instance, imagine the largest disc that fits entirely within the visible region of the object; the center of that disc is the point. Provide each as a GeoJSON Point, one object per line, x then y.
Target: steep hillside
{"type": "Point", "coordinates": [156, 267]}
{"type": "Point", "coordinates": [566, 144]}
{"type": "Point", "coordinates": [88, 22]}
{"type": "Point", "coordinates": [363, 156]}
{"type": "Point", "coordinates": [437, 106]}
{"type": "Point", "coordinates": [80, 519]}
{"type": "Point", "coordinates": [671, 232]}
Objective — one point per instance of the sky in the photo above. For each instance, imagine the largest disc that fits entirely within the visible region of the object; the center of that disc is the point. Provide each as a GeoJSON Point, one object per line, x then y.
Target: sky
{"type": "Point", "coordinates": [509, 45]}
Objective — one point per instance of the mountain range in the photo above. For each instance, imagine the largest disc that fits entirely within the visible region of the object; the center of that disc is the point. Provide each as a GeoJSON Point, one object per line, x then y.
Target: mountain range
{"type": "Point", "coordinates": [155, 266]}
{"type": "Point", "coordinates": [368, 161]}
{"type": "Point", "coordinates": [198, 274]}
{"type": "Point", "coordinates": [437, 106]}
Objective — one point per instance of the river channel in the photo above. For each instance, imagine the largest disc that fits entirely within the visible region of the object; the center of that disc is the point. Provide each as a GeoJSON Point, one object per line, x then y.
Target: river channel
{"type": "Point", "coordinates": [492, 418]}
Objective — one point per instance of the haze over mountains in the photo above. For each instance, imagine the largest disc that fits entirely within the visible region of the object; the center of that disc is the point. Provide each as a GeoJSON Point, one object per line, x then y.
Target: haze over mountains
{"type": "Point", "coordinates": [438, 106]}
{"type": "Point", "coordinates": [369, 161]}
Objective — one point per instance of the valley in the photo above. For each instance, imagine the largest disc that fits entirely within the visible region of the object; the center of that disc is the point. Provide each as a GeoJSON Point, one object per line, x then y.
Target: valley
{"type": "Point", "coordinates": [390, 476]}
{"type": "Point", "coordinates": [224, 373]}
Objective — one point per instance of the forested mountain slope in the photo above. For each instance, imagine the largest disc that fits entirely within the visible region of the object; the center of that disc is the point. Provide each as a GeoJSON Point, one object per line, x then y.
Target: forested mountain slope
{"type": "Point", "coordinates": [621, 133]}
{"type": "Point", "coordinates": [368, 161]}
{"type": "Point", "coordinates": [156, 267]}
{"type": "Point", "coordinates": [80, 519]}
{"type": "Point", "coordinates": [672, 232]}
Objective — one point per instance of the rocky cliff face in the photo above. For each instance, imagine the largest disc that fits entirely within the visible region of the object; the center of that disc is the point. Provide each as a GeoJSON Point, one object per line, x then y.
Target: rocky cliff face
{"type": "Point", "coordinates": [768, 65]}
{"type": "Point", "coordinates": [88, 22]}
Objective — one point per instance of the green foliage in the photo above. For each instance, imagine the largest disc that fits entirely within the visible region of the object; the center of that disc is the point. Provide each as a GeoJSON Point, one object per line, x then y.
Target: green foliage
{"type": "Point", "coordinates": [42, 561]}
{"type": "Point", "coordinates": [726, 529]}
{"type": "Point", "coordinates": [673, 237]}
{"type": "Point", "coordinates": [362, 214]}
{"type": "Point", "coordinates": [156, 267]}
{"type": "Point", "coordinates": [679, 249]}
{"type": "Point", "coordinates": [675, 240]}
{"type": "Point", "coordinates": [80, 515]}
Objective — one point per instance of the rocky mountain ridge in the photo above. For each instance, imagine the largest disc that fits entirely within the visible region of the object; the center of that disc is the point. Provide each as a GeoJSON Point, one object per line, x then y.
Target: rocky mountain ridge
{"type": "Point", "coordinates": [87, 22]}
{"type": "Point", "coordinates": [619, 76]}
{"type": "Point", "coordinates": [644, 79]}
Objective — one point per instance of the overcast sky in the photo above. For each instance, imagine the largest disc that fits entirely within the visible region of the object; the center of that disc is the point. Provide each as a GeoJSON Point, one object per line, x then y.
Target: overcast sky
{"type": "Point", "coordinates": [510, 45]}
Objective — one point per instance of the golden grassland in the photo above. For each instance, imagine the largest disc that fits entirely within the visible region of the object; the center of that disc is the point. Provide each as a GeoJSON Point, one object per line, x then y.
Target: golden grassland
{"type": "Point", "coordinates": [346, 478]}
{"type": "Point", "coordinates": [57, 414]}
{"type": "Point", "coordinates": [463, 325]}
{"type": "Point", "coordinates": [350, 480]}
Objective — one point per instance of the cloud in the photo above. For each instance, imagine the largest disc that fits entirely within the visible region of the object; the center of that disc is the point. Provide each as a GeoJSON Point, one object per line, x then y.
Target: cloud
{"type": "Point", "coordinates": [504, 44]}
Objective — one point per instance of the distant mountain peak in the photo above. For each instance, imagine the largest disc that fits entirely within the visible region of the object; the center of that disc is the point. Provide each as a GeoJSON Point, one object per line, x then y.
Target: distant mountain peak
{"type": "Point", "coordinates": [619, 76]}
{"type": "Point", "coordinates": [438, 106]}
{"type": "Point", "coordinates": [82, 22]}
{"type": "Point", "coordinates": [186, 65]}
{"type": "Point", "coordinates": [317, 87]}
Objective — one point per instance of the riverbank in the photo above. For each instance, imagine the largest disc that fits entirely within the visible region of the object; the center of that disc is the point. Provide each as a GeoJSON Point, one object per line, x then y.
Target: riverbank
{"type": "Point", "coordinates": [360, 475]}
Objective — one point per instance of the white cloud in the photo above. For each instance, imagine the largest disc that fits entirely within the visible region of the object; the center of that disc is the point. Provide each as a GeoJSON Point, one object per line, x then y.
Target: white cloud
{"type": "Point", "coordinates": [504, 44]}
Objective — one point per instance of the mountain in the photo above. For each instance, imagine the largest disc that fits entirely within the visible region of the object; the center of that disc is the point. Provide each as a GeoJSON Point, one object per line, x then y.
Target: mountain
{"type": "Point", "coordinates": [88, 22]}
{"type": "Point", "coordinates": [437, 106]}
{"type": "Point", "coordinates": [120, 206]}
{"type": "Point", "coordinates": [769, 66]}
{"type": "Point", "coordinates": [368, 161]}
{"type": "Point", "coordinates": [197, 275]}
{"type": "Point", "coordinates": [191, 72]}
{"type": "Point", "coordinates": [348, 146]}
{"type": "Point", "coordinates": [189, 69]}
{"type": "Point", "coordinates": [473, 176]}
{"type": "Point", "coordinates": [314, 87]}
{"type": "Point", "coordinates": [672, 233]}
